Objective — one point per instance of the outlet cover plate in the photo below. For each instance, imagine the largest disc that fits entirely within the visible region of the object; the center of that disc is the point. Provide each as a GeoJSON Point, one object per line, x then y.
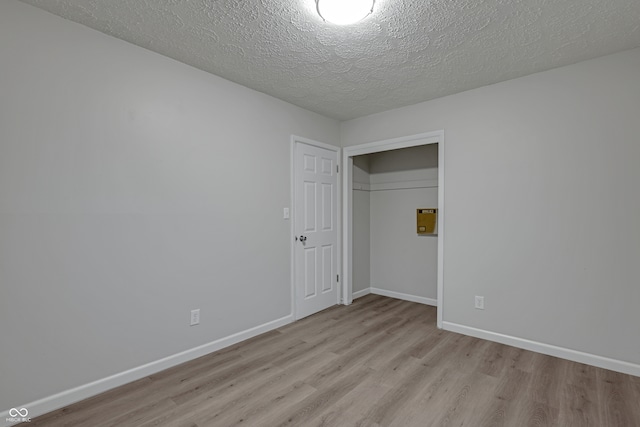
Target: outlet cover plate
{"type": "Point", "coordinates": [195, 317]}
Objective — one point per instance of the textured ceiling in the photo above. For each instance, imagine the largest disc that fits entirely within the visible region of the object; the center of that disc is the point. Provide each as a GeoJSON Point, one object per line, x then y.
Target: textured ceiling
{"type": "Point", "coordinates": [406, 52]}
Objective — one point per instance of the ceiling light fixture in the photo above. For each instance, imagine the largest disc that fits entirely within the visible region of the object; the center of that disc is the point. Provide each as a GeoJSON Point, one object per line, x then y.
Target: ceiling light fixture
{"type": "Point", "coordinates": [344, 12]}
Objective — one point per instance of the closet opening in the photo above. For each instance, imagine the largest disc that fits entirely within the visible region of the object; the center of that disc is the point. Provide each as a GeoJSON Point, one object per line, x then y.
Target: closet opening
{"type": "Point", "coordinates": [386, 185]}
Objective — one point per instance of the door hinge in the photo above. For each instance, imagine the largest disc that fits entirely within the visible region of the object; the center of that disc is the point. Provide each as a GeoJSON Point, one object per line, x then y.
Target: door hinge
{"type": "Point", "coordinates": [337, 277]}
{"type": "Point", "coordinates": [337, 168]}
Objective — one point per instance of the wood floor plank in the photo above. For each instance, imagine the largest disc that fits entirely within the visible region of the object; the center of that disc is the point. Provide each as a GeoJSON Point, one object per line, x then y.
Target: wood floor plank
{"type": "Point", "coordinates": [113, 401]}
{"type": "Point", "coordinates": [242, 403]}
{"type": "Point", "coordinates": [412, 317]}
{"type": "Point", "coordinates": [347, 342]}
{"type": "Point", "coordinates": [545, 385]}
{"type": "Point", "coordinates": [397, 348]}
{"type": "Point", "coordinates": [392, 403]}
{"type": "Point", "coordinates": [508, 395]}
{"type": "Point", "coordinates": [430, 339]}
{"type": "Point", "coordinates": [352, 408]}
{"type": "Point", "coordinates": [140, 414]}
{"type": "Point", "coordinates": [379, 362]}
{"type": "Point", "coordinates": [465, 399]}
{"type": "Point", "coordinates": [521, 359]}
{"type": "Point", "coordinates": [216, 399]}
{"type": "Point", "coordinates": [579, 403]}
{"type": "Point", "coordinates": [256, 412]}
{"type": "Point", "coordinates": [217, 379]}
{"type": "Point", "coordinates": [616, 391]}
{"type": "Point", "coordinates": [321, 400]}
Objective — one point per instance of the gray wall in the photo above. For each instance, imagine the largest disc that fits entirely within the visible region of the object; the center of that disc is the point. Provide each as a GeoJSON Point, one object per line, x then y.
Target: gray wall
{"type": "Point", "coordinates": [128, 189]}
{"type": "Point", "coordinates": [541, 203]}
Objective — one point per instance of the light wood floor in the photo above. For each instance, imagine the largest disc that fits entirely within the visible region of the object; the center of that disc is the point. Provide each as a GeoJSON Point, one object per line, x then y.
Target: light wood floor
{"type": "Point", "coordinates": [378, 362]}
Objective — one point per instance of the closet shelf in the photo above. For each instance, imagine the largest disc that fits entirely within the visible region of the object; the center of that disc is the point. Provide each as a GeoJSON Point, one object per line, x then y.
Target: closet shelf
{"type": "Point", "coordinates": [401, 185]}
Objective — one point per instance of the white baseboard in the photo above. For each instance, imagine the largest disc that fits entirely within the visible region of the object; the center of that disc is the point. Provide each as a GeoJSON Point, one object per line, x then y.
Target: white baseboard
{"type": "Point", "coordinates": [85, 391]}
{"type": "Point", "coordinates": [361, 293]}
{"type": "Point", "coordinates": [548, 349]}
{"type": "Point", "coordinates": [406, 297]}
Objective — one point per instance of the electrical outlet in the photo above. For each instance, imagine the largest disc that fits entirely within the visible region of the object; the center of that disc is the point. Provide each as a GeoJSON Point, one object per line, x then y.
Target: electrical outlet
{"type": "Point", "coordinates": [195, 317]}
{"type": "Point", "coordinates": [479, 303]}
{"type": "Point", "coordinates": [285, 213]}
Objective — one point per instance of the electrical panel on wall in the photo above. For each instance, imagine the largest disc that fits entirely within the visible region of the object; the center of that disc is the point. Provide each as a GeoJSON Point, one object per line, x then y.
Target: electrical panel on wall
{"type": "Point", "coordinates": [427, 221]}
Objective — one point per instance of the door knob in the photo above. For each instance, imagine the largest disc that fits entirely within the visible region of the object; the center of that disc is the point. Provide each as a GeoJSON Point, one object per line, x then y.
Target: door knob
{"type": "Point", "coordinates": [303, 239]}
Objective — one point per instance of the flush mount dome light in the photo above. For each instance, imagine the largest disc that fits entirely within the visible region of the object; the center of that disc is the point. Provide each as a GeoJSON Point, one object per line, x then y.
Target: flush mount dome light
{"type": "Point", "coordinates": [344, 12]}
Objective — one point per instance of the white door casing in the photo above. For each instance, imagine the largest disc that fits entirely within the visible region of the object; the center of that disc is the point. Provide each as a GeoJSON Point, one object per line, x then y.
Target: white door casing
{"type": "Point", "coordinates": [316, 229]}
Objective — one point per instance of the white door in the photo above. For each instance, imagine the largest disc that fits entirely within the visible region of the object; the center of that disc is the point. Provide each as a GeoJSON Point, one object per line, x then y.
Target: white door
{"type": "Point", "coordinates": [316, 239]}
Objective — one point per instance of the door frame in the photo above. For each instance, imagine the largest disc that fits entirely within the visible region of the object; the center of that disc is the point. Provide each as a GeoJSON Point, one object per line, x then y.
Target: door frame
{"type": "Point", "coordinates": [295, 140]}
{"type": "Point", "coordinates": [436, 137]}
